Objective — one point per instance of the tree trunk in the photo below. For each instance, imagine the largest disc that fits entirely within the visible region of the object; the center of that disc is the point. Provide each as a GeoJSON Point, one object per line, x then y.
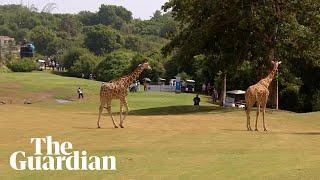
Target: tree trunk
{"type": "Point", "coordinates": [224, 90]}
{"type": "Point", "coordinates": [273, 97]}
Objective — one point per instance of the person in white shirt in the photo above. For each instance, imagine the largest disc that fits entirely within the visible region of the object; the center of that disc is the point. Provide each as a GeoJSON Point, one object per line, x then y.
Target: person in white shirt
{"type": "Point", "coordinates": [80, 93]}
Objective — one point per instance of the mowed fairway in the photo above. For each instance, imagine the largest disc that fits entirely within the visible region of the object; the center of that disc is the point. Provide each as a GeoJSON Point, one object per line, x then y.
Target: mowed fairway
{"type": "Point", "coordinates": [164, 136]}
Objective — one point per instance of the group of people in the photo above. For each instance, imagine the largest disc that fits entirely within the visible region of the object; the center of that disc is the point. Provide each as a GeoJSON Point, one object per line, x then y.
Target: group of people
{"type": "Point", "coordinates": [135, 87]}
{"type": "Point", "coordinates": [210, 90]}
{"type": "Point", "coordinates": [91, 76]}
{"type": "Point", "coordinates": [207, 89]}
{"type": "Point", "coordinates": [54, 65]}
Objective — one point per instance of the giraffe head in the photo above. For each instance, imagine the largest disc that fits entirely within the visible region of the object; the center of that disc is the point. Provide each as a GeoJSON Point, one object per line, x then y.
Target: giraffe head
{"type": "Point", "coordinates": [145, 65]}
{"type": "Point", "coordinates": [275, 64]}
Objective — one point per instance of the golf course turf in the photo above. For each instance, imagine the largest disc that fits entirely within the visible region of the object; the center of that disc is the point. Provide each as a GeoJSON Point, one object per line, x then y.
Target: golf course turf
{"type": "Point", "coordinates": [165, 137]}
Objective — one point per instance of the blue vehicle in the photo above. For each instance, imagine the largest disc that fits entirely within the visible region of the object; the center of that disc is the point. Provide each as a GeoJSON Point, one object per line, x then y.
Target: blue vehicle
{"type": "Point", "coordinates": [27, 50]}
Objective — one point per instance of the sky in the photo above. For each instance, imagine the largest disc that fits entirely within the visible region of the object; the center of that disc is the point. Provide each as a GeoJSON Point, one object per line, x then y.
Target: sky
{"type": "Point", "coordinates": [142, 9]}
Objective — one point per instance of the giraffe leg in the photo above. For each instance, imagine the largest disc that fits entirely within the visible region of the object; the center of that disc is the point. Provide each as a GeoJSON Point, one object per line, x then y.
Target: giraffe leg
{"type": "Point", "coordinates": [109, 111]}
{"type": "Point", "coordinates": [100, 112]}
{"type": "Point", "coordinates": [121, 110]}
{"type": "Point", "coordinates": [263, 112]}
{"type": "Point", "coordinates": [248, 118]}
{"type": "Point", "coordinates": [125, 104]}
{"type": "Point", "coordinates": [258, 111]}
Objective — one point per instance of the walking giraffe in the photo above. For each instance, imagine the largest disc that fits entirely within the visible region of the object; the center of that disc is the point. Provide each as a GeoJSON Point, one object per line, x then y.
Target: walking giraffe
{"type": "Point", "coordinates": [259, 94]}
{"type": "Point", "coordinates": [118, 89]}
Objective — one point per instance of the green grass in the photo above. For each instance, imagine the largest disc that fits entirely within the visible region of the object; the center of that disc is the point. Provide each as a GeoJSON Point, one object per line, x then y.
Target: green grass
{"type": "Point", "coordinates": [164, 136]}
{"type": "Point", "coordinates": [37, 84]}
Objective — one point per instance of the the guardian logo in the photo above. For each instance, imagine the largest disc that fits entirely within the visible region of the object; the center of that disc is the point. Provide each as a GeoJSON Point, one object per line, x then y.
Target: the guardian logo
{"type": "Point", "coordinates": [59, 157]}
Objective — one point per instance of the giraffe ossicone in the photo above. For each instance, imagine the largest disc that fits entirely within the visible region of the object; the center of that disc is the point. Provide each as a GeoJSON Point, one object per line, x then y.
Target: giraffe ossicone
{"type": "Point", "coordinates": [259, 94]}
{"type": "Point", "coordinates": [118, 89]}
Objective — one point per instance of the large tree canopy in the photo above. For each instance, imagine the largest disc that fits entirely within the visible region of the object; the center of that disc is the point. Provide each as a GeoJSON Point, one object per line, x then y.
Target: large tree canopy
{"type": "Point", "coordinates": [230, 33]}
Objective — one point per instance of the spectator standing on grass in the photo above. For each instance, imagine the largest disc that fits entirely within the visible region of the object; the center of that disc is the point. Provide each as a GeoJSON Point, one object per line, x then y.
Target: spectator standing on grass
{"type": "Point", "coordinates": [80, 93]}
{"type": "Point", "coordinates": [138, 83]}
{"type": "Point", "coordinates": [208, 88]}
{"type": "Point", "coordinates": [57, 66]}
{"type": "Point", "coordinates": [215, 95]}
{"type": "Point", "coordinates": [204, 88]}
{"type": "Point", "coordinates": [53, 65]}
{"type": "Point", "coordinates": [196, 100]}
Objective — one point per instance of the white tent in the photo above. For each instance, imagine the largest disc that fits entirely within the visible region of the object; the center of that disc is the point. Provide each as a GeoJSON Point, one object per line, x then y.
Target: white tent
{"type": "Point", "coordinates": [236, 92]}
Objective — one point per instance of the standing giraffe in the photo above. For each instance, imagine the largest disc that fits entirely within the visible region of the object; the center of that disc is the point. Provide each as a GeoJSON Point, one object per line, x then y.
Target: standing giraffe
{"type": "Point", "coordinates": [259, 93]}
{"type": "Point", "coordinates": [118, 89]}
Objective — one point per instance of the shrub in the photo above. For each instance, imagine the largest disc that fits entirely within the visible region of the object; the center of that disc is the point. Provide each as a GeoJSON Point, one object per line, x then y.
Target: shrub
{"type": "Point", "coordinates": [316, 101]}
{"type": "Point", "coordinates": [291, 99]}
{"type": "Point", "coordinates": [4, 69]}
{"type": "Point", "coordinates": [23, 65]}
{"type": "Point", "coordinates": [84, 65]}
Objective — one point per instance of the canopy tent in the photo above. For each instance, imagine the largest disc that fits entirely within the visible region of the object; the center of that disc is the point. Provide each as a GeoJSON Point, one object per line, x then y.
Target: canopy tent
{"type": "Point", "coordinates": [236, 92]}
{"type": "Point", "coordinates": [191, 81]}
{"type": "Point", "coordinates": [147, 79]}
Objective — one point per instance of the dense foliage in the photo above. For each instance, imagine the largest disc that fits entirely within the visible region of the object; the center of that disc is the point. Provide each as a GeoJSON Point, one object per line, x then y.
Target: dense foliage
{"type": "Point", "coordinates": [210, 42]}
{"type": "Point", "coordinates": [25, 65]}
{"type": "Point", "coordinates": [238, 39]}
{"type": "Point", "coordinates": [103, 42]}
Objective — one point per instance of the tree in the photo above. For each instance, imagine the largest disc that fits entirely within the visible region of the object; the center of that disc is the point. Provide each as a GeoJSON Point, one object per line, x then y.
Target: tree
{"type": "Point", "coordinates": [70, 57]}
{"type": "Point", "coordinates": [133, 43]}
{"type": "Point", "coordinates": [234, 32]}
{"type": "Point", "coordinates": [102, 39]}
{"type": "Point", "coordinates": [42, 37]}
{"type": "Point", "coordinates": [115, 65]}
{"type": "Point", "coordinates": [86, 65]}
{"type": "Point", "coordinates": [111, 14]}
{"type": "Point", "coordinates": [88, 18]}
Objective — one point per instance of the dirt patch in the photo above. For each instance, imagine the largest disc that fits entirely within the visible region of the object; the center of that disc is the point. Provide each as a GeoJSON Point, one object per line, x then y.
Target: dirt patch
{"type": "Point", "coordinates": [15, 97]}
{"type": "Point", "coordinates": [10, 86]}
{"type": "Point", "coordinates": [63, 101]}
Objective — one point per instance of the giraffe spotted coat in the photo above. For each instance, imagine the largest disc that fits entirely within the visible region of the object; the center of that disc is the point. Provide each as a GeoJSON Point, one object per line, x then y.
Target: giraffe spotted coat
{"type": "Point", "coordinates": [259, 94]}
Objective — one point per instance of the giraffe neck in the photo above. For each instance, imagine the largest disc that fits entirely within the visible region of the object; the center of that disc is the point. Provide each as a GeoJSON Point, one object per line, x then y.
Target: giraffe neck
{"type": "Point", "coordinates": [267, 80]}
{"type": "Point", "coordinates": [133, 76]}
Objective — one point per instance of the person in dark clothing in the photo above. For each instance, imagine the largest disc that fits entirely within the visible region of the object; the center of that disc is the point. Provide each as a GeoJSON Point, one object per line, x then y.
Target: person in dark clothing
{"type": "Point", "coordinates": [196, 100]}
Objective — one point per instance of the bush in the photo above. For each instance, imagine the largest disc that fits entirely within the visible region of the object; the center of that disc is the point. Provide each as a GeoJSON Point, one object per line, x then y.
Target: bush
{"type": "Point", "coordinates": [85, 64]}
{"type": "Point", "coordinates": [23, 65]}
{"type": "Point", "coordinates": [316, 101]}
{"type": "Point", "coordinates": [70, 57]}
{"type": "Point", "coordinates": [4, 69]}
{"type": "Point", "coordinates": [291, 99]}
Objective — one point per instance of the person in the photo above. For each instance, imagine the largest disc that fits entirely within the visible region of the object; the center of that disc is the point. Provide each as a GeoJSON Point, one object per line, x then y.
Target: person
{"type": "Point", "coordinates": [80, 93]}
{"type": "Point", "coordinates": [145, 86]}
{"type": "Point", "coordinates": [53, 63]}
{"type": "Point", "coordinates": [138, 84]}
{"type": "Point", "coordinates": [57, 66]}
{"type": "Point", "coordinates": [204, 88]}
{"type": "Point", "coordinates": [208, 89]}
{"type": "Point", "coordinates": [196, 100]}
{"type": "Point", "coordinates": [215, 95]}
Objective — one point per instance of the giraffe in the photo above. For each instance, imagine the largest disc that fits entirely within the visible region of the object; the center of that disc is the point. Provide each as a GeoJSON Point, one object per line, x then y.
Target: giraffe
{"type": "Point", "coordinates": [259, 94]}
{"type": "Point", "coordinates": [117, 89]}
